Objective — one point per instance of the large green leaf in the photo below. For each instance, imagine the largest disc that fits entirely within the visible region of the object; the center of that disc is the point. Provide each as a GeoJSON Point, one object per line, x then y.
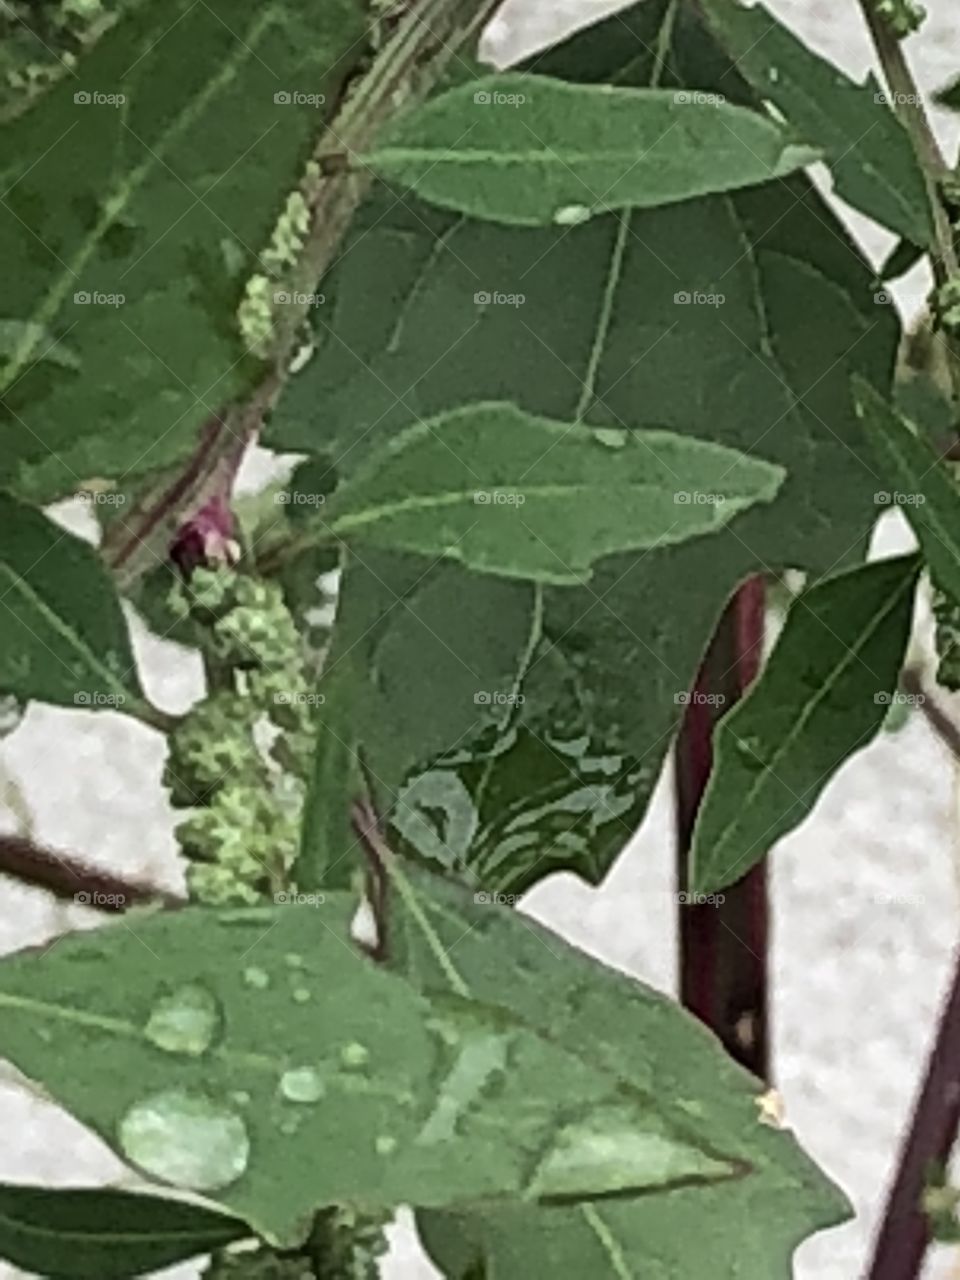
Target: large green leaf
{"type": "Point", "coordinates": [870, 155]}
{"type": "Point", "coordinates": [524, 149]}
{"type": "Point", "coordinates": [75, 1234]}
{"type": "Point", "coordinates": [140, 193]}
{"type": "Point", "coordinates": [63, 638]}
{"type": "Point", "coordinates": [444, 940]}
{"type": "Point", "coordinates": [823, 694]}
{"type": "Point", "coordinates": [505, 492]}
{"type": "Point", "coordinates": [597, 331]}
{"type": "Point", "coordinates": [257, 1056]}
{"type": "Point", "coordinates": [922, 487]}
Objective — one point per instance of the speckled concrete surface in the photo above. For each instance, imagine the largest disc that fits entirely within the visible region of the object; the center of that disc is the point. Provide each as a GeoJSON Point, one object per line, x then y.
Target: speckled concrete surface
{"type": "Point", "coordinates": [866, 890]}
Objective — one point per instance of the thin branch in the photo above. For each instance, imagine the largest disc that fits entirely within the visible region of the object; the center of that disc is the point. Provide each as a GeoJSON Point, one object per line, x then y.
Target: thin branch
{"type": "Point", "coordinates": [71, 880]}
{"type": "Point", "coordinates": [904, 1235]}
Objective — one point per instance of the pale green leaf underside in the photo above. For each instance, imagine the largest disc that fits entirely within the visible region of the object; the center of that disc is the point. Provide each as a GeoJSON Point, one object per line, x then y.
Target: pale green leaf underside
{"type": "Point", "coordinates": [531, 150]}
{"type": "Point", "coordinates": [507, 492]}
{"type": "Point", "coordinates": [824, 693]}
{"type": "Point", "coordinates": [320, 1078]}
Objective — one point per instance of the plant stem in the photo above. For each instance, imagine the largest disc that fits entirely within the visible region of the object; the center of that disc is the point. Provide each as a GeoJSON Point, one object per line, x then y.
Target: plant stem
{"type": "Point", "coordinates": [904, 1233]}
{"type": "Point", "coordinates": [908, 105]}
{"type": "Point", "coordinates": [71, 880]}
{"type": "Point", "coordinates": [723, 947]}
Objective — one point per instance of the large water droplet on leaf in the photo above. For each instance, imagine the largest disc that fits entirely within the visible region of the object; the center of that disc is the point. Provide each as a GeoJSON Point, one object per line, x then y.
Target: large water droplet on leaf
{"type": "Point", "coordinates": [259, 979]}
{"type": "Point", "coordinates": [186, 1139]}
{"type": "Point", "coordinates": [302, 1084]}
{"type": "Point", "coordinates": [188, 1020]}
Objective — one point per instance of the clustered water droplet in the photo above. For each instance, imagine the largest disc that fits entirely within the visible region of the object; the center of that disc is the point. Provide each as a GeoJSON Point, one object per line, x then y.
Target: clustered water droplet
{"type": "Point", "coordinates": [187, 1139]}
{"type": "Point", "coordinates": [187, 1020]}
{"type": "Point", "coordinates": [302, 1084]}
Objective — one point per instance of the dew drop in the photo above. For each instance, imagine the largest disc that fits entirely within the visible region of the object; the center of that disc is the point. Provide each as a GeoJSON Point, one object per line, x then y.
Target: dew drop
{"type": "Point", "coordinates": [302, 995]}
{"type": "Point", "coordinates": [571, 215]}
{"type": "Point", "coordinates": [186, 1139]}
{"type": "Point", "coordinates": [259, 979]}
{"type": "Point", "coordinates": [302, 1084]}
{"type": "Point", "coordinates": [355, 1054]}
{"type": "Point", "coordinates": [385, 1144]}
{"type": "Point", "coordinates": [773, 74]}
{"type": "Point", "coordinates": [610, 436]}
{"type": "Point", "coordinates": [293, 960]}
{"type": "Point", "coordinates": [187, 1020]}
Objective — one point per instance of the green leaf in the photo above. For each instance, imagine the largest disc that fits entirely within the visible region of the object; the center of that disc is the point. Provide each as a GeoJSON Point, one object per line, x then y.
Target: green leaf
{"type": "Point", "coordinates": [506, 492]}
{"type": "Point", "coordinates": [136, 217]}
{"type": "Point", "coordinates": [823, 695]}
{"type": "Point", "coordinates": [63, 638]}
{"type": "Point", "coordinates": [306, 1076]}
{"type": "Point", "coordinates": [870, 155]}
{"type": "Point", "coordinates": [949, 95]}
{"type": "Point", "coordinates": [63, 1233]}
{"type": "Point", "coordinates": [524, 149]}
{"type": "Point", "coordinates": [924, 488]}
{"type": "Point", "coordinates": [441, 938]}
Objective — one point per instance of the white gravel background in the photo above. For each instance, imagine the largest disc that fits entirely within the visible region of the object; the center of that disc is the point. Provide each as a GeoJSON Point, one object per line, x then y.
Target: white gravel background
{"type": "Point", "coordinates": [866, 891]}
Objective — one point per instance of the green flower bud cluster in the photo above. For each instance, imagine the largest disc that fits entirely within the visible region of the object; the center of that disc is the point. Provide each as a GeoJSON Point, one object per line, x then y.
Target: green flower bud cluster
{"type": "Point", "coordinates": [344, 1245]}
{"type": "Point", "coordinates": [904, 17]}
{"type": "Point", "coordinates": [238, 759]}
{"type": "Point", "coordinates": [947, 305]}
{"type": "Point", "coordinates": [259, 1264]}
{"type": "Point", "coordinates": [946, 614]}
{"type": "Point", "coordinates": [347, 1245]}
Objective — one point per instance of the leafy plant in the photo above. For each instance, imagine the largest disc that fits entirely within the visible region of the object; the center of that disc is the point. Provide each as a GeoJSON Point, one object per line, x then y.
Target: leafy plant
{"type": "Point", "coordinates": [570, 355]}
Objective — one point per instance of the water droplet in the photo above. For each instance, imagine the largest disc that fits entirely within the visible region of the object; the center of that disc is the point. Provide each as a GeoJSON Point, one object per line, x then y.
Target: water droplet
{"type": "Point", "coordinates": [186, 1020]}
{"type": "Point", "coordinates": [240, 1097]}
{"type": "Point", "coordinates": [257, 978]}
{"type": "Point", "coordinates": [302, 1084]}
{"type": "Point", "coordinates": [773, 74]}
{"type": "Point", "coordinates": [355, 1054]}
{"type": "Point", "coordinates": [293, 960]}
{"type": "Point", "coordinates": [571, 215]}
{"type": "Point", "coordinates": [289, 1126]}
{"type": "Point", "coordinates": [186, 1139]}
{"type": "Point", "coordinates": [302, 995]}
{"type": "Point", "coordinates": [610, 436]}
{"type": "Point", "coordinates": [385, 1144]}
